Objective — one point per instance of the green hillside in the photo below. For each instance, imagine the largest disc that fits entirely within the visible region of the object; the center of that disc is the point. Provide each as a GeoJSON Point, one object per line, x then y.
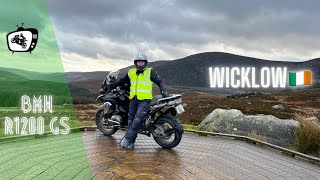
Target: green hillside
{"type": "Point", "coordinates": [55, 77]}
{"type": "Point", "coordinates": [11, 91]}
{"type": "Point", "coordinates": [8, 76]}
{"type": "Point", "coordinates": [13, 86]}
{"type": "Point", "coordinates": [15, 82]}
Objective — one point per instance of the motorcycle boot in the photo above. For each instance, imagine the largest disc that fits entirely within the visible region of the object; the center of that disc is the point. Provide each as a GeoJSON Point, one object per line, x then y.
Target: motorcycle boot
{"type": "Point", "coordinates": [124, 143]}
{"type": "Point", "coordinates": [130, 145]}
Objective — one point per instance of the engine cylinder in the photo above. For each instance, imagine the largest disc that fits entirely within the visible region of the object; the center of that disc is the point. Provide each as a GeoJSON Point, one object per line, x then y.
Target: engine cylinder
{"type": "Point", "coordinates": [116, 119]}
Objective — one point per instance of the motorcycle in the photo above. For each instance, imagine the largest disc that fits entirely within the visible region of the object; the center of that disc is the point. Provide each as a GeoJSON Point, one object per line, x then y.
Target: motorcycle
{"type": "Point", "coordinates": [160, 122]}
{"type": "Point", "coordinates": [21, 40]}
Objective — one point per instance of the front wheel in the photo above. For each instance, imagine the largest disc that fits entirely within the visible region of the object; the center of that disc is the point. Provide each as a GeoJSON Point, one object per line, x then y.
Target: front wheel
{"type": "Point", "coordinates": [103, 124]}
{"type": "Point", "coordinates": [168, 132]}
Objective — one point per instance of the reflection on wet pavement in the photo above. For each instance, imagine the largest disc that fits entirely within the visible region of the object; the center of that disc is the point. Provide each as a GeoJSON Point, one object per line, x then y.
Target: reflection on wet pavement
{"type": "Point", "coordinates": [196, 157]}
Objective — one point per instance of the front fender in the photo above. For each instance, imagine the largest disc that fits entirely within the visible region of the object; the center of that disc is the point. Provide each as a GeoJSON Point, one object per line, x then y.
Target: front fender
{"type": "Point", "coordinates": [106, 107]}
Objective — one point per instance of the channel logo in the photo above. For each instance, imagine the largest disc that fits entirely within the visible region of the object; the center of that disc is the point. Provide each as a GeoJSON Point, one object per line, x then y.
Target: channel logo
{"type": "Point", "coordinates": [22, 40]}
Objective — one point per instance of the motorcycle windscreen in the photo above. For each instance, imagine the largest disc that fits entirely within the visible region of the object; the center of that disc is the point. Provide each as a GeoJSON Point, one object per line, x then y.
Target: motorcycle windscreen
{"type": "Point", "coordinates": [16, 42]}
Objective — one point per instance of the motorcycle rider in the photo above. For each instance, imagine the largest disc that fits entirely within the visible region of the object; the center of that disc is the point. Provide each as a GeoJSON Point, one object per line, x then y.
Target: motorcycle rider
{"type": "Point", "coordinates": [140, 79]}
{"type": "Point", "coordinates": [22, 37]}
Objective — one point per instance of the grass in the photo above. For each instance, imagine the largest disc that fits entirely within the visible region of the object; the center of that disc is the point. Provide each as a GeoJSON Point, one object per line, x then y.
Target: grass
{"type": "Point", "coordinates": [199, 105]}
{"type": "Point", "coordinates": [308, 135]}
{"type": "Point", "coordinates": [189, 127]}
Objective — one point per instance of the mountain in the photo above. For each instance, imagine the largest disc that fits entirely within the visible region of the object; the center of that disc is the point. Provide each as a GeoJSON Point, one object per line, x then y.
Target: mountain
{"type": "Point", "coordinates": [54, 77]}
{"type": "Point", "coordinates": [155, 65]}
{"type": "Point", "coordinates": [190, 72]}
{"type": "Point", "coordinates": [84, 76]}
{"type": "Point", "coordinates": [193, 71]}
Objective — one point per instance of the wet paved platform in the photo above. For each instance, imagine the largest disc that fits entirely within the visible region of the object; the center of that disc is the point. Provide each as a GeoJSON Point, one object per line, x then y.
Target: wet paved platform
{"type": "Point", "coordinates": [196, 157]}
{"type": "Point", "coordinates": [53, 157]}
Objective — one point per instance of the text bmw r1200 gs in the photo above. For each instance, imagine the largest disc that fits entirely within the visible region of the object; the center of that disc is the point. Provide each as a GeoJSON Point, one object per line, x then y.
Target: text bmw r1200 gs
{"type": "Point", "coordinates": [160, 122]}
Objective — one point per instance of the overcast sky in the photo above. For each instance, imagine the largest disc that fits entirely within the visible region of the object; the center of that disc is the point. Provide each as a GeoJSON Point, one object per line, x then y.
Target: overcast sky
{"type": "Point", "coordinates": [98, 35]}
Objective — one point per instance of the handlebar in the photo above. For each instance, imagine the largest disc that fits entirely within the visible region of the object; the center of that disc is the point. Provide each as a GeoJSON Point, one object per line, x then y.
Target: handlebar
{"type": "Point", "coordinates": [116, 91]}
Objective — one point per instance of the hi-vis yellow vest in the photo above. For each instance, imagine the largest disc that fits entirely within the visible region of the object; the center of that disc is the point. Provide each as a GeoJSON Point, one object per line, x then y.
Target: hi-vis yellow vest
{"type": "Point", "coordinates": [141, 85]}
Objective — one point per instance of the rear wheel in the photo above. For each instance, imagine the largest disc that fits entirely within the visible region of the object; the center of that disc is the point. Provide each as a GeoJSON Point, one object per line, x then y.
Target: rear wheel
{"type": "Point", "coordinates": [166, 133]}
{"type": "Point", "coordinates": [103, 124]}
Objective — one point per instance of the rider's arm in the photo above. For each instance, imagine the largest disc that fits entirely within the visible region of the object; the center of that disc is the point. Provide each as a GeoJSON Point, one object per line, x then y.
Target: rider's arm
{"type": "Point", "coordinates": [156, 79]}
{"type": "Point", "coordinates": [119, 82]}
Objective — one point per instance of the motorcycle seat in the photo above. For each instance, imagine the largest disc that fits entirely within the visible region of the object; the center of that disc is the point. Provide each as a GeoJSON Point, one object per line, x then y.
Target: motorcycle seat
{"type": "Point", "coordinates": [155, 100]}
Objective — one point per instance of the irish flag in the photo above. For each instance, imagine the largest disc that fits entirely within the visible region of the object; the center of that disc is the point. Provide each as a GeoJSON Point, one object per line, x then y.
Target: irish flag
{"type": "Point", "coordinates": [300, 78]}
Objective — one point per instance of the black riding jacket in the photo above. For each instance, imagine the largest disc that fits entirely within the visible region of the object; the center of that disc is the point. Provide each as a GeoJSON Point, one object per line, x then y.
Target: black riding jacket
{"type": "Point", "coordinates": [153, 76]}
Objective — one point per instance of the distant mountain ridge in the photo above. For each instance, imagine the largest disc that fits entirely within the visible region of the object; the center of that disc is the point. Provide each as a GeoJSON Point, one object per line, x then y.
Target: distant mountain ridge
{"type": "Point", "coordinates": [193, 71]}
{"type": "Point", "coordinates": [84, 76]}
{"type": "Point", "coordinates": [190, 72]}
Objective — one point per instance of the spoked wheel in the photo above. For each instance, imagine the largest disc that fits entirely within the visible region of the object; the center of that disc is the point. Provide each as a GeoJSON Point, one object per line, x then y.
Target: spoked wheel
{"type": "Point", "coordinates": [103, 124]}
{"type": "Point", "coordinates": [166, 134]}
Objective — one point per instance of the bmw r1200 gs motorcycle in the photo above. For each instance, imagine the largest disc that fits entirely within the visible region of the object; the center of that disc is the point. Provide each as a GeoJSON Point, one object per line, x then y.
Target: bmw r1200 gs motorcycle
{"type": "Point", "coordinates": [160, 122]}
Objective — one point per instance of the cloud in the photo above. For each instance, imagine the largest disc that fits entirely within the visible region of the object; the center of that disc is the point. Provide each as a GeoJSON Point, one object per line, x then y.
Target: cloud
{"type": "Point", "coordinates": [117, 30]}
{"type": "Point", "coordinates": [75, 62]}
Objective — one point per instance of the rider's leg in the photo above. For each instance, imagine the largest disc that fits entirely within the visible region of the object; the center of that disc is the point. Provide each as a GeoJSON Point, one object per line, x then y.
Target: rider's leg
{"type": "Point", "coordinates": [139, 118]}
{"type": "Point", "coordinates": [132, 111]}
{"type": "Point", "coordinates": [133, 105]}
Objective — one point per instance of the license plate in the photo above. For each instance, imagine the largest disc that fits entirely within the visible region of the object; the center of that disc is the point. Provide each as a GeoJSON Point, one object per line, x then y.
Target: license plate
{"type": "Point", "coordinates": [179, 109]}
